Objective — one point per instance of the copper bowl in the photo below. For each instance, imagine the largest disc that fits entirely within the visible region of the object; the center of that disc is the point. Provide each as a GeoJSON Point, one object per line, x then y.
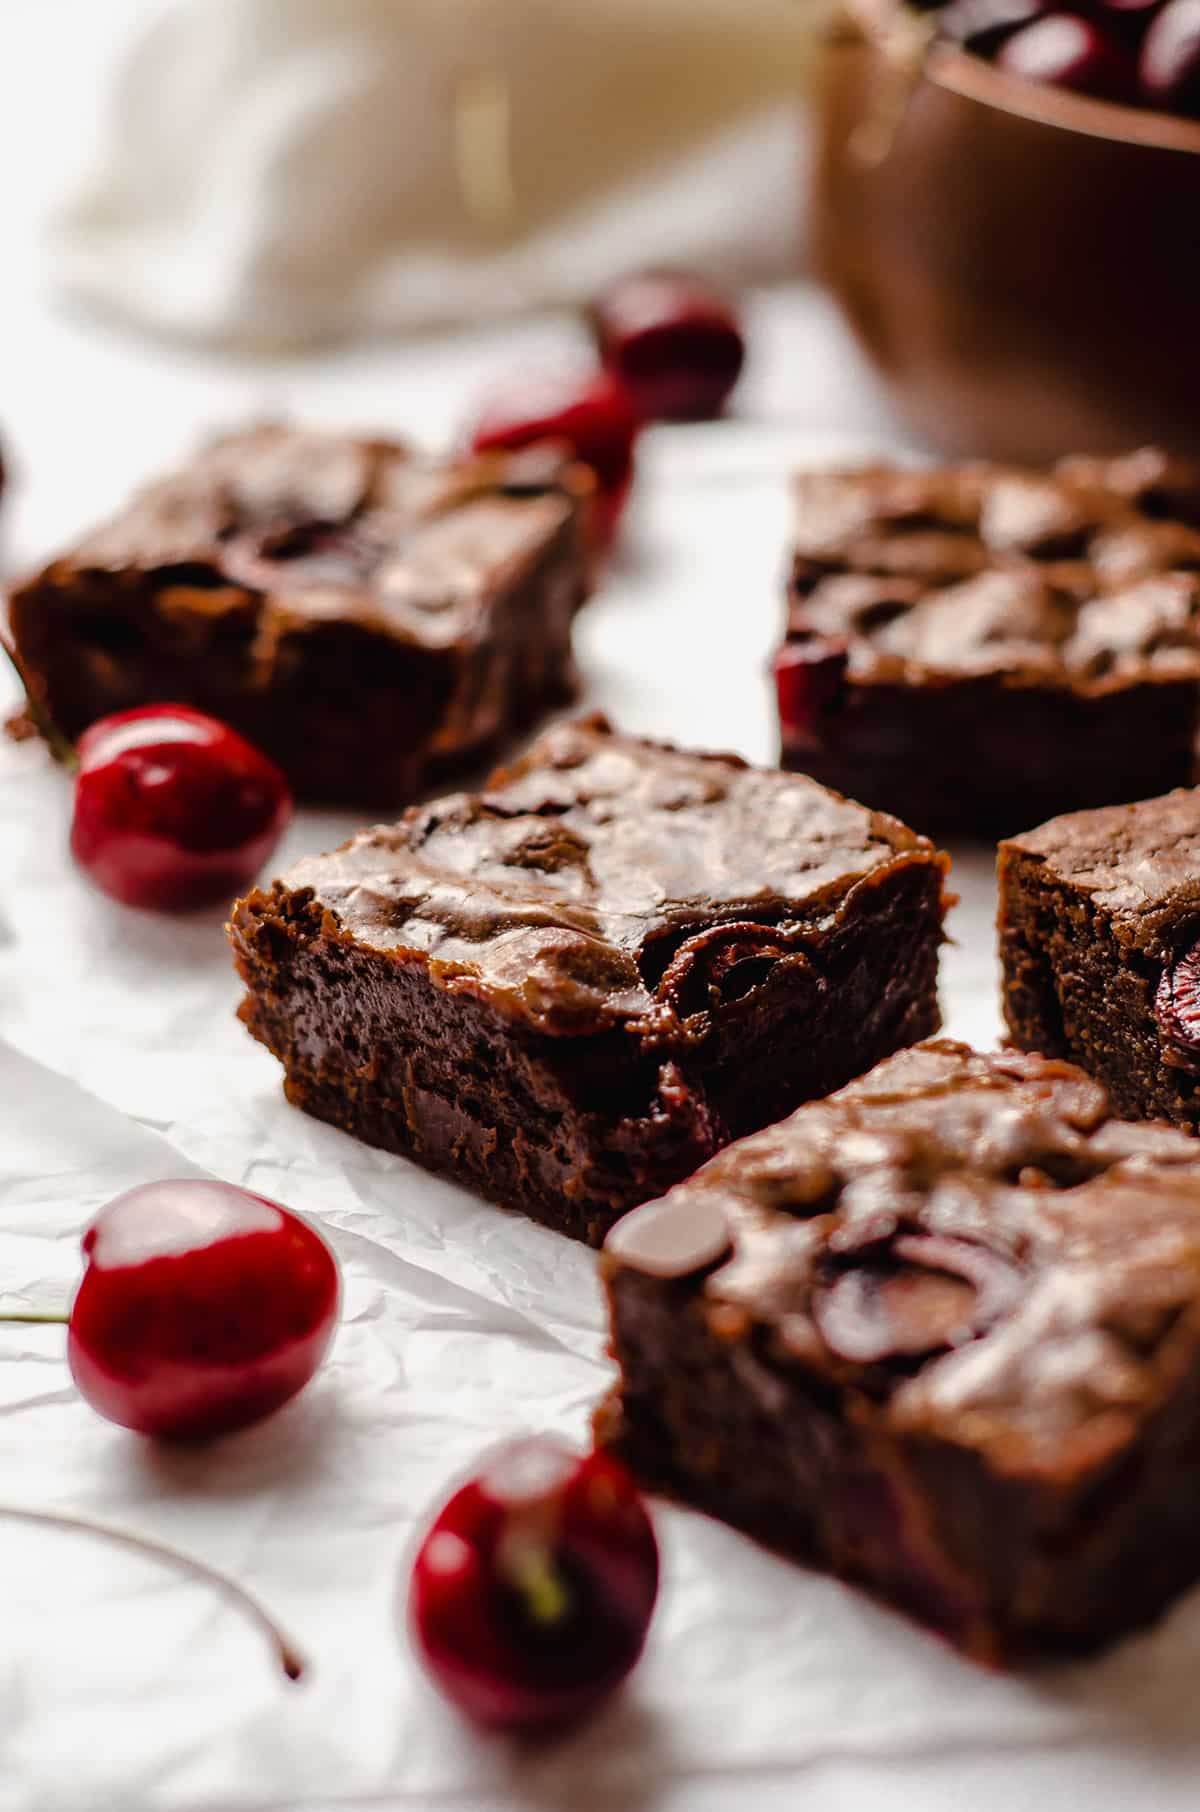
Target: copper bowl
{"type": "Point", "coordinates": [1022, 264]}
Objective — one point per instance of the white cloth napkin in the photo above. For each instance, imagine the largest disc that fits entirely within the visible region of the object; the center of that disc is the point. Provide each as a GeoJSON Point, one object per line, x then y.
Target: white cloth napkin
{"type": "Point", "coordinates": [276, 171]}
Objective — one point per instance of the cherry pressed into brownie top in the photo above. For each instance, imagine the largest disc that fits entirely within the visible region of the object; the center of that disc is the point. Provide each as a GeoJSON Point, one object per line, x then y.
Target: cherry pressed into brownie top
{"type": "Point", "coordinates": [971, 1244]}
{"type": "Point", "coordinates": [603, 879]}
{"type": "Point", "coordinates": [1086, 576]}
{"type": "Point", "coordinates": [322, 525]}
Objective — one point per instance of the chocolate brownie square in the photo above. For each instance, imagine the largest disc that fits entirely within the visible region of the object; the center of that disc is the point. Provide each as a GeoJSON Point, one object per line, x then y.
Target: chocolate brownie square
{"type": "Point", "coordinates": [373, 621]}
{"type": "Point", "coordinates": [1100, 948]}
{"type": "Point", "coordinates": [978, 647]}
{"type": "Point", "coordinates": [940, 1335]}
{"type": "Point", "coordinates": [568, 990]}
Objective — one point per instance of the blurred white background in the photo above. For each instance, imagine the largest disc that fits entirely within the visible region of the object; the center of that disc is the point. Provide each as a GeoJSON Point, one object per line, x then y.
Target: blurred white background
{"type": "Point", "coordinates": [89, 402]}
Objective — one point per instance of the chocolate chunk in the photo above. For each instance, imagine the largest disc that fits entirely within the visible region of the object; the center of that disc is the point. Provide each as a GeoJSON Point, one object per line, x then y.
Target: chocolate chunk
{"type": "Point", "coordinates": [670, 1238]}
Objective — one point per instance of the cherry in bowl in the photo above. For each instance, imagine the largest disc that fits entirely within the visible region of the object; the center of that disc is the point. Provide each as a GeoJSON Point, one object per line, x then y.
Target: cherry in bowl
{"type": "Point", "coordinates": [173, 810]}
{"type": "Point", "coordinates": [1170, 61]}
{"type": "Point", "coordinates": [202, 1309]}
{"type": "Point", "coordinates": [587, 415]}
{"type": "Point", "coordinates": [1069, 50]}
{"type": "Point", "coordinates": [674, 343]}
{"type": "Point", "coordinates": [532, 1591]}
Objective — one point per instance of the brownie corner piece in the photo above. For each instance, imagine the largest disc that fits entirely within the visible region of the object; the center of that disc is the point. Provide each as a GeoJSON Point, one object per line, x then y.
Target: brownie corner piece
{"type": "Point", "coordinates": [570, 989]}
{"type": "Point", "coordinates": [938, 1334]}
{"type": "Point", "coordinates": [1099, 925]}
{"type": "Point", "coordinates": [372, 619]}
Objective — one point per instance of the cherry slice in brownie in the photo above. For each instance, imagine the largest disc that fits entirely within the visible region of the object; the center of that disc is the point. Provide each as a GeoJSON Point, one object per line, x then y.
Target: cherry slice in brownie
{"type": "Point", "coordinates": [809, 677]}
{"type": "Point", "coordinates": [1177, 1009]}
{"type": "Point", "coordinates": [927, 1295]}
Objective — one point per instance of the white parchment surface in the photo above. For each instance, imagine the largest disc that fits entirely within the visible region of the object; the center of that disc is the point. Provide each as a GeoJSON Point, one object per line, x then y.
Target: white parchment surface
{"type": "Point", "coordinates": [122, 1687]}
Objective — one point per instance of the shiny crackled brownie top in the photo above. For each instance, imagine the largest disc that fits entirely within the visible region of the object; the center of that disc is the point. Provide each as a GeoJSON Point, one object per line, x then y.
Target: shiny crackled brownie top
{"type": "Point", "coordinates": [1140, 863]}
{"type": "Point", "coordinates": [324, 526]}
{"type": "Point", "coordinates": [1086, 576]}
{"type": "Point", "coordinates": [970, 1244]}
{"type": "Point", "coordinates": [604, 878]}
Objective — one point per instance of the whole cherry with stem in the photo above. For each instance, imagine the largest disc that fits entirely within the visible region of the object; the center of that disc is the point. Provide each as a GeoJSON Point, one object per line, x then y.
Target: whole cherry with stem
{"type": "Point", "coordinates": [532, 1591]}
{"type": "Point", "coordinates": [203, 1308]}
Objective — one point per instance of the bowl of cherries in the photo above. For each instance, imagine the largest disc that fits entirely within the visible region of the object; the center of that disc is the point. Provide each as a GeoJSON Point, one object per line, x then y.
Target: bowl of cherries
{"type": "Point", "coordinates": [1001, 197]}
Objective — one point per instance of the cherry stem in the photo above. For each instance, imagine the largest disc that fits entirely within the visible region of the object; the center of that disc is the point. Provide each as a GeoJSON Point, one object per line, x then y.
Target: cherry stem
{"type": "Point", "coordinates": [288, 1657]}
{"type": "Point", "coordinates": [532, 1573]}
{"type": "Point", "coordinates": [60, 746]}
{"type": "Point", "coordinates": [38, 1317]}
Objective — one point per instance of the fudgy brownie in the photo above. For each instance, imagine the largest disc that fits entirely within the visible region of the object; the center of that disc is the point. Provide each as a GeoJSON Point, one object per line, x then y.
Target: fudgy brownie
{"type": "Point", "coordinates": [939, 1334]}
{"type": "Point", "coordinates": [371, 620]}
{"type": "Point", "coordinates": [978, 647]}
{"type": "Point", "coordinates": [570, 989]}
{"type": "Point", "coordinates": [1100, 947]}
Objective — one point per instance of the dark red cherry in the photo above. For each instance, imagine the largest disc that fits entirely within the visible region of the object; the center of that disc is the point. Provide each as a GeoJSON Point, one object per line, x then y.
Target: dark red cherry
{"type": "Point", "coordinates": [809, 676]}
{"type": "Point", "coordinates": [533, 1590]}
{"type": "Point", "coordinates": [1070, 52]}
{"type": "Point", "coordinates": [1169, 70]}
{"type": "Point", "coordinates": [1129, 17]}
{"type": "Point", "coordinates": [674, 342]}
{"type": "Point", "coordinates": [983, 25]}
{"type": "Point", "coordinates": [203, 1308]}
{"type": "Point", "coordinates": [174, 810]}
{"type": "Point", "coordinates": [589, 416]}
{"type": "Point", "coordinates": [1177, 1007]}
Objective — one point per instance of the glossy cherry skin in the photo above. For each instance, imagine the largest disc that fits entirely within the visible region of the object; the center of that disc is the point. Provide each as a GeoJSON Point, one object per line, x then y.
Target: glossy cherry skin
{"type": "Point", "coordinates": [1071, 52]}
{"type": "Point", "coordinates": [174, 810]}
{"type": "Point", "coordinates": [983, 25]}
{"type": "Point", "coordinates": [809, 676]}
{"type": "Point", "coordinates": [532, 1592]}
{"type": "Point", "coordinates": [1130, 16]}
{"type": "Point", "coordinates": [1170, 63]}
{"type": "Point", "coordinates": [202, 1309]}
{"type": "Point", "coordinates": [589, 416]}
{"type": "Point", "coordinates": [674, 342]}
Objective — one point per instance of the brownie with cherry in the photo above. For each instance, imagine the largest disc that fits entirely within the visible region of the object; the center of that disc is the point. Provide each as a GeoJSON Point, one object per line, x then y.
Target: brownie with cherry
{"type": "Point", "coordinates": [978, 647]}
{"type": "Point", "coordinates": [1100, 946]}
{"type": "Point", "coordinates": [1138, 52]}
{"type": "Point", "coordinates": [939, 1334]}
{"type": "Point", "coordinates": [368, 619]}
